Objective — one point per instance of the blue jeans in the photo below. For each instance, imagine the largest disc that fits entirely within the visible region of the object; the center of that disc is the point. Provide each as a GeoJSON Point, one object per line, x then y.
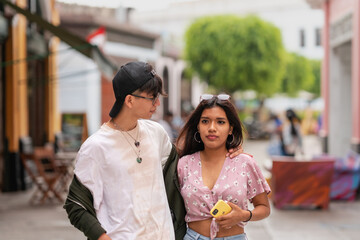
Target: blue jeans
{"type": "Point", "coordinates": [192, 235]}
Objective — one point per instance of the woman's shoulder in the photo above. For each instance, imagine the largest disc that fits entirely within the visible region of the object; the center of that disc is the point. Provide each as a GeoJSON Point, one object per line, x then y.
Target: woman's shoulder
{"type": "Point", "coordinates": [190, 158]}
{"type": "Point", "coordinates": [244, 158]}
{"type": "Point", "coordinates": [247, 155]}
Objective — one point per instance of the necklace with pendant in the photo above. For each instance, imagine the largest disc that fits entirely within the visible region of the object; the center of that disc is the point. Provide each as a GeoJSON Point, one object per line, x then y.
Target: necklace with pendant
{"type": "Point", "coordinates": [138, 159]}
{"type": "Point", "coordinates": [136, 142]}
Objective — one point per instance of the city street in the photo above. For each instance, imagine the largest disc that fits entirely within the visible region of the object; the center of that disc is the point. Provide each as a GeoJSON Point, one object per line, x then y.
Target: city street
{"type": "Point", "coordinates": [21, 221]}
{"type": "Point", "coordinates": [71, 66]}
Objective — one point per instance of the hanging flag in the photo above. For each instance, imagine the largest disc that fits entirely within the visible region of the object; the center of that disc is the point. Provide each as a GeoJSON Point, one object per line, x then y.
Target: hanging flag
{"type": "Point", "coordinates": [98, 37]}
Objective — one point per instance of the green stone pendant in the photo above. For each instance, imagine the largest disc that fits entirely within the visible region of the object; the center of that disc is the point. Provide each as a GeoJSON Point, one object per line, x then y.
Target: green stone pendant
{"type": "Point", "coordinates": [139, 159]}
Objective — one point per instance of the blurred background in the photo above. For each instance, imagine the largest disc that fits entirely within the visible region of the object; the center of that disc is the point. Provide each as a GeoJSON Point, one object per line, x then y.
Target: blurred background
{"type": "Point", "coordinates": [58, 58]}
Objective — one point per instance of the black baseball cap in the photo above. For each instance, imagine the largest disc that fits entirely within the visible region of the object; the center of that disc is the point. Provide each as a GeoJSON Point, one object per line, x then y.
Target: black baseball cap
{"type": "Point", "coordinates": [129, 78]}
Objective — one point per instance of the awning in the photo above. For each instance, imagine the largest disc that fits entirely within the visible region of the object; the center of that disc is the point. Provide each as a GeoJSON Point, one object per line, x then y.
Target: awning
{"type": "Point", "coordinates": [79, 44]}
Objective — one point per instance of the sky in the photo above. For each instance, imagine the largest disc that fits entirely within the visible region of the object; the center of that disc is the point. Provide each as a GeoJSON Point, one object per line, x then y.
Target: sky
{"type": "Point", "coordinates": [141, 5]}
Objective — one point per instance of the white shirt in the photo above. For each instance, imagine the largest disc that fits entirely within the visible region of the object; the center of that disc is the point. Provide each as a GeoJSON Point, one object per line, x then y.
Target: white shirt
{"type": "Point", "coordinates": [129, 197]}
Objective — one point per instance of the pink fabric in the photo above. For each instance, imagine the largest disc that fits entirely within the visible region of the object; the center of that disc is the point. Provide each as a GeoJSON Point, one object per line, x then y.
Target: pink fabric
{"type": "Point", "coordinates": [239, 181]}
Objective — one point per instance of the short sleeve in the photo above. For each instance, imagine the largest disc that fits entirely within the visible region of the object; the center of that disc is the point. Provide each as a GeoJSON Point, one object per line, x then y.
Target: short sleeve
{"type": "Point", "coordinates": [256, 181]}
{"type": "Point", "coordinates": [166, 146]}
{"type": "Point", "coordinates": [88, 173]}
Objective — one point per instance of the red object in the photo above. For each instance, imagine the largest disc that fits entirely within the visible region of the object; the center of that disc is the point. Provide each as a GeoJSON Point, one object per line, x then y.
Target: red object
{"type": "Point", "coordinates": [301, 184]}
{"type": "Point", "coordinates": [97, 37]}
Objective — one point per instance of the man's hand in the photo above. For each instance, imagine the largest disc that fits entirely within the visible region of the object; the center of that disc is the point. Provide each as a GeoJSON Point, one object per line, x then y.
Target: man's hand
{"type": "Point", "coordinates": [233, 152]}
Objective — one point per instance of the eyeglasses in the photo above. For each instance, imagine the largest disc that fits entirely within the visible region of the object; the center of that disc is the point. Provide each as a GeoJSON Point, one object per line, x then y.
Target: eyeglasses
{"type": "Point", "coordinates": [222, 97]}
{"type": "Point", "coordinates": [153, 99]}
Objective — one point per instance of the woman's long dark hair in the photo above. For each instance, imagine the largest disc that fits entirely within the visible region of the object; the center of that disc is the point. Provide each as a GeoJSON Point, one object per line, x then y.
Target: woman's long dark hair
{"type": "Point", "coordinates": [186, 143]}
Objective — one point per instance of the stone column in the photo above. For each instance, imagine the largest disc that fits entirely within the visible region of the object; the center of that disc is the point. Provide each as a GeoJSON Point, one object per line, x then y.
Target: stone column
{"type": "Point", "coordinates": [355, 141]}
{"type": "Point", "coordinates": [325, 77]}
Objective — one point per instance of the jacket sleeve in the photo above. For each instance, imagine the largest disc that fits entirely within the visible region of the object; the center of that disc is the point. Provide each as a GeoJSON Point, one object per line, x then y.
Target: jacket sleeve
{"type": "Point", "coordinates": [81, 212]}
{"type": "Point", "coordinates": [175, 200]}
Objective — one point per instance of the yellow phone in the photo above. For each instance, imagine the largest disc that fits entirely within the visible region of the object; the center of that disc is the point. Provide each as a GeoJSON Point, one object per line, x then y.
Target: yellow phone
{"type": "Point", "coordinates": [220, 208]}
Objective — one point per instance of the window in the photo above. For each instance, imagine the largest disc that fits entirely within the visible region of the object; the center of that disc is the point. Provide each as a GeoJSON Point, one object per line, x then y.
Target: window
{"type": "Point", "coordinates": [302, 38]}
{"type": "Point", "coordinates": [317, 37]}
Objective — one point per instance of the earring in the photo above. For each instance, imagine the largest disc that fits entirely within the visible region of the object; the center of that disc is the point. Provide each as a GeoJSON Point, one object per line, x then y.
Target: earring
{"type": "Point", "coordinates": [232, 140]}
{"type": "Point", "coordinates": [198, 141]}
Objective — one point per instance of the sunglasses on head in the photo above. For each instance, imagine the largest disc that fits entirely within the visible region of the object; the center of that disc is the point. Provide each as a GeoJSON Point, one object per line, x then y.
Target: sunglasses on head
{"type": "Point", "coordinates": [222, 97]}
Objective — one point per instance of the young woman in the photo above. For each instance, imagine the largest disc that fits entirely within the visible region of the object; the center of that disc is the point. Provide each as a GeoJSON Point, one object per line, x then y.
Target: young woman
{"type": "Point", "coordinates": [206, 175]}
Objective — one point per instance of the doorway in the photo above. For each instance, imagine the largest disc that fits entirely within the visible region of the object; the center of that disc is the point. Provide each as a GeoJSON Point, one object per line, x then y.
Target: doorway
{"type": "Point", "coordinates": [340, 100]}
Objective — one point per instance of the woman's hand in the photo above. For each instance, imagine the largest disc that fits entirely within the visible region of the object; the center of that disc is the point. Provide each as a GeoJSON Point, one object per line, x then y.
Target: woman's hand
{"type": "Point", "coordinates": [234, 217]}
{"type": "Point", "coordinates": [233, 152]}
{"type": "Point", "coordinates": [261, 210]}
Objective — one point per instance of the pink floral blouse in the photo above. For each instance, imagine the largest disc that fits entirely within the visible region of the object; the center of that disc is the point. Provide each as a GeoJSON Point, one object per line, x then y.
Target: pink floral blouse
{"type": "Point", "coordinates": [239, 181]}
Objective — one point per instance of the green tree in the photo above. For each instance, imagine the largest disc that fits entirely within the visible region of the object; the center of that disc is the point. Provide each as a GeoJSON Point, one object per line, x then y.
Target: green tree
{"type": "Point", "coordinates": [316, 70]}
{"type": "Point", "coordinates": [233, 53]}
{"type": "Point", "coordinates": [298, 74]}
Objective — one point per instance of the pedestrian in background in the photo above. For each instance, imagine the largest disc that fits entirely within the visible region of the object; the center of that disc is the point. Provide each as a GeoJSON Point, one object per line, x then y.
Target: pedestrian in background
{"type": "Point", "coordinates": [291, 134]}
{"type": "Point", "coordinates": [166, 122]}
{"type": "Point", "coordinates": [206, 175]}
{"type": "Point", "coordinates": [276, 143]}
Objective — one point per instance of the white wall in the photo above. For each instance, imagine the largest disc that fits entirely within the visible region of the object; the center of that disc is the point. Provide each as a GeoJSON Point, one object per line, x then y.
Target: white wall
{"type": "Point", "coordinates": [291, 21]}
{"type": "Point", "coordinates": [79, 86]}
{"type": "Point", "coordinates": [340, 116]}
{"type": "Point", "coordinates": [132, 52]}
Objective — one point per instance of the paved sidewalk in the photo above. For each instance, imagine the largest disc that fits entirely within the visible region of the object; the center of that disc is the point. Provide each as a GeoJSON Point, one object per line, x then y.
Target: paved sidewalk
{"type": "Point", "coordinates": [21, 221]}
{"type": "Point", "coordinates": [340, 221]}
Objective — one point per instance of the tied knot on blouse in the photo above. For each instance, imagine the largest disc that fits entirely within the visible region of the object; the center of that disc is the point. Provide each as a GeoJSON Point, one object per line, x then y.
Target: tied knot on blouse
{"type": "Point", "coordinates": [239, 181]}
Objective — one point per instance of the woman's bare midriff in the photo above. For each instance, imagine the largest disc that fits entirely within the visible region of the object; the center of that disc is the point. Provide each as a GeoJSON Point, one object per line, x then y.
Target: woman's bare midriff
{"type": "Point", "coordinates": [203, 227]}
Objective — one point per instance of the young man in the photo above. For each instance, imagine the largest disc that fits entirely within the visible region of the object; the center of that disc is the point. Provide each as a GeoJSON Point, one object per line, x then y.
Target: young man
{"type": "Point", "coordinates": [118, 190]}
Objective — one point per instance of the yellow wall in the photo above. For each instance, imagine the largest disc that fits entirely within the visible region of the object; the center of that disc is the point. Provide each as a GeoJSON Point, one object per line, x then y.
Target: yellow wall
{"type": "Point", "coordinates": [16, 117]}
{"type": "Point", "coordinates": [16, 81]}
{"type": "Point", "coordinates": [53, 123]}
{"type": "Point", "coordinates": [53, 120]}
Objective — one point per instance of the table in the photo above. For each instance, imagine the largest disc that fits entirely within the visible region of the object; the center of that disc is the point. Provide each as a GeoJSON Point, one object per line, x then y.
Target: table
{"type": "Point", "coordinates": [301, 184]}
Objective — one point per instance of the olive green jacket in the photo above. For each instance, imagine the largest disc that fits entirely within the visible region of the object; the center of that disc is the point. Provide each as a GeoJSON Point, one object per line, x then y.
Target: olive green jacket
{"type": "Point", "coordinates": [176, 202]}
{"type": "Point", "coordinates": [80, 209]}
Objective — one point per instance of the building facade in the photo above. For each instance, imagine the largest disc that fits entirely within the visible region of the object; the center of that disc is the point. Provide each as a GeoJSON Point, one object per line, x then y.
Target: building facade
{"type": "Point", "coordinates": [340, 81]}
{"type": "Point", "coordinates": [30, 39]}
{"type": "Point", "coordinates": [28, 93]}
